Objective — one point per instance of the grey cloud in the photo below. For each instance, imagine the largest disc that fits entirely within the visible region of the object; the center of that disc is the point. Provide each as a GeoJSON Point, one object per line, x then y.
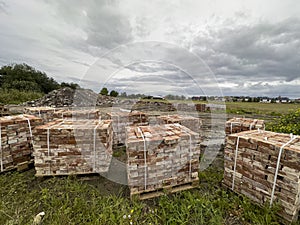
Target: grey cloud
{"type": "Point", "coordinates": [3, 7]}
{"type": "Point", "coordinates": [104, 23]}
{"type": "Point", "coordinates": [249, 51]}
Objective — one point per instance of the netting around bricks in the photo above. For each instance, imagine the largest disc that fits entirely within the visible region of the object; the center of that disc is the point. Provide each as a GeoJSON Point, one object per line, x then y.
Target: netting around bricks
{"type": "Point", "coordinates": [122, 119]}
{"type": "Point", "coordinates": [16, 140]}
{"type": "Point", "coordinates": [236, 125]}
{"type": "Point", "coordinates": [64, 147]}
{"type": "Point", "coordinates": [265, 166]}
{"type": "Point", "coordinates": [190, 122]}
{"type": "Point", "coordinates": [161, 156]}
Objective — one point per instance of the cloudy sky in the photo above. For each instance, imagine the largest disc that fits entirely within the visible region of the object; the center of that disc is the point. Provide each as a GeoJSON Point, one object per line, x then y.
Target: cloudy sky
{"type": "Point", "coordinates": [210, 47]}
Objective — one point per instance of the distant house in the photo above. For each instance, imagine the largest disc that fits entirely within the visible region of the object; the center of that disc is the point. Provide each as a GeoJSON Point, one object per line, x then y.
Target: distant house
{"type": "Point", "coordinates": [282, 100]}
{"type": "Point", "coordinates": [297, 100]}
{"type": "Point", "coordinates": [265, 100]}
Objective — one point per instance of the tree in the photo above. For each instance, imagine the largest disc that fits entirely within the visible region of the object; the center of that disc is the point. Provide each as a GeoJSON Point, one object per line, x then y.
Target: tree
{"type": "Point", "coordinates": [70, 85]}
{"type": "Point", "coordinates": [123, 94]}
{"type": "Point", "coordinates": [23, 77]}
{"type": "Point", "coordinates": [114, 93]}
{"type": "Point", "coordinates": [104, 91]}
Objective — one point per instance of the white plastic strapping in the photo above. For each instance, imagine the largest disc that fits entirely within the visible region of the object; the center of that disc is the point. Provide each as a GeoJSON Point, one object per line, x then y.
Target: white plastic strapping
{"type": "Point", "coordinates": [95, 129]}
{"type": "Point", "coordinates": [235, 158]}
{"type": "Point", "coordinates": [30, 130]}
{"type": "Point", "coordinates": [145, 157]}
{"type": "Point", "coordinates": [277, 166]}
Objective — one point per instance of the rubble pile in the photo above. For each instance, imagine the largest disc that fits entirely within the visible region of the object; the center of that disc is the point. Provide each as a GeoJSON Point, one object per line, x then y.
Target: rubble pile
{"type": "Point", "coordinates": [57, 98]}
{"type": "Point", "coordinates": [154, 106]}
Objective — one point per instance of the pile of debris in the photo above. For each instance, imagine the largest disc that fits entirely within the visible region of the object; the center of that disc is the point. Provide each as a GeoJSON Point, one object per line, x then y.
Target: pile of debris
{"type": "Point", "coordinates": [161, 157]}
{"type": "Point", "coordinates": [57, 98]}
{"type": "Point", "coordinates": [64, 147]}
{"type": "Point", "coordinates": [16, 141]}
{"type": "Point", "coordinates": [163, 106]}
{"type": "Point", "coordinates": [265, 166]}
{"type": "Point", "coordinates": [66, 97]}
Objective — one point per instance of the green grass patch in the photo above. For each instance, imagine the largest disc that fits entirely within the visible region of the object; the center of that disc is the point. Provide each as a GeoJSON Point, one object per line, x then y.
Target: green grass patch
{"type": "Point", "coordinates": [272, 109]}
{"type": "Point", "coordinates": [69, 200]}
{"type": "Point", "coordinates": [13, 96]}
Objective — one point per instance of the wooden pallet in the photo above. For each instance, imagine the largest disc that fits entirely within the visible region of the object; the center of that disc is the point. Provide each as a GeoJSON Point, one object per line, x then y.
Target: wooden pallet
{"type": "Point", "coordinates": [164, 191]}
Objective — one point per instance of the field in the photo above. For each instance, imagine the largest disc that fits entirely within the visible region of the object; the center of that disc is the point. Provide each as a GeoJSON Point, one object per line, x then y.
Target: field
{"type": "Point", "coordinates": [261, 109]}
{"type": "Point", "coordinates": [69, 200]}
{"type": "Point", "coordinates": [96, 200]}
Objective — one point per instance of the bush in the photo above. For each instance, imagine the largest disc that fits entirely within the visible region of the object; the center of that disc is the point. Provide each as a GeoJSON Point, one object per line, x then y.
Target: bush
{"type": "Point", "coordinates": [289, 123]}
{"type": "Point", "coordinates": [13, 96]}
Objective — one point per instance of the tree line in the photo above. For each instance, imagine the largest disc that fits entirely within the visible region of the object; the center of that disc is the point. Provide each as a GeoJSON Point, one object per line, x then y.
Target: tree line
{"type": "Point", "coordinates": [23, 77]}
{"type": "Point", "coordinates": [21, 82]}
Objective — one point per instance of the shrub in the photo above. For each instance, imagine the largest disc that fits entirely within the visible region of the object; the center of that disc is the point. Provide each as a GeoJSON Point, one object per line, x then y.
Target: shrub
{"type": "Point", "coordinates": [289, 123]}
{"type": "Point", "coordinates": [13, 96]}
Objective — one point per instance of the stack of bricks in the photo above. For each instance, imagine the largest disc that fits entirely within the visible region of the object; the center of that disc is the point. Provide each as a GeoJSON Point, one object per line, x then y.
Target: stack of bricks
{"type": "Point", "coordinates": [252, 161]}
{"type": "Point", "coordinates": [121, 119]}
{"type": "Point", "coordinates": [202, 107]}
{"type": "Point", "coordinates": [3, 110]}
{"type": "Point", "coordinates": [236, 125]}
{"type": "Point", "coordinates": [45, 113]}
{"type": "Point", "coordinates": [16, 140]}
{"type": "Point", "coordinates": [190, 122]}
{"type": "Point", "coordinates": [77, 114]}
{"type": "Point", "coordinates": [65, 147]}
{"type": "Point", "coordinates": [161, 157]}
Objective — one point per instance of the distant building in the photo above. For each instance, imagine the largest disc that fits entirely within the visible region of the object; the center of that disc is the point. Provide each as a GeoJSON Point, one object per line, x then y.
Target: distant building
{"type": "Point", "coordinates": [282, 100]}
{"type": "Point", "coordinates": [265, 100]}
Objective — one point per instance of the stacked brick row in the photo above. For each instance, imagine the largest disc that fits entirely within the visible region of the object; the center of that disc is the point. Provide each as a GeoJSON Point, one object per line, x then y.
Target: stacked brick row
{"type": "Point", "coordinates": [77, 114]}
{"type": "Point", "coordinates": [64, 147]}
{"type": "Point", "coordinates": [121, 119]}
{"type": "Point", "coordinates": [45, 113]}
{"type": "Point", "coordinates": [251, 161]}
{"type": "Point", "coordinates": [16, 140]}
{"type": "Point", "coordinates": [161, 156]}
{"type": "Point", "coordinates": [236, 125]}
{"type": "Point", "coordinates": [190, 122]}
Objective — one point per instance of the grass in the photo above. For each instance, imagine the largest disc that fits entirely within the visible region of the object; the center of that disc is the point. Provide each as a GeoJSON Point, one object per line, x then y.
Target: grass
{"type": "Point", "coordinates": [249, 108]}
{"type": "Point", "coordinates": [70, 200]}
{"type": "Point", "coordinates": [16, 97]}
